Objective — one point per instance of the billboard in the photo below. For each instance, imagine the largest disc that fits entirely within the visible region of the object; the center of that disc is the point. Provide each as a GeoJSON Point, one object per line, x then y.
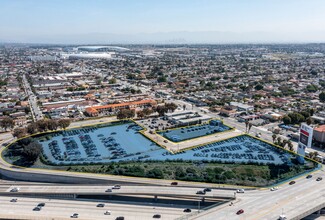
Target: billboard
{"type": "Point", "coordinates": [306, 135]}
{"type": "Point", "coordinates": [305, 140]}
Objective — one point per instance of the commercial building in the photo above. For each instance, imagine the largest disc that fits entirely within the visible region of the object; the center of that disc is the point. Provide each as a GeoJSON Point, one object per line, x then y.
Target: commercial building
{"type": "Point", "coordinates": [319, 134]}
{"type": "Point", "coordinates": [95, 110]}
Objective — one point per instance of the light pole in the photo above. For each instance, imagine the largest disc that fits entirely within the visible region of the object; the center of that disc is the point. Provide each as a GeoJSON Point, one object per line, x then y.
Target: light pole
{"type": "Point", "coordinates": [198, 206]}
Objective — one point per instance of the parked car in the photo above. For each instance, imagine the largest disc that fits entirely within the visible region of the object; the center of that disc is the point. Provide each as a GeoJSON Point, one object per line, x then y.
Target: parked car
{"type": "Point", "coordinates": [319, 178]}
{"type": "Point", "coordinates": [240, 211]}
{"type": "Point", "coordinates": [292, 182]}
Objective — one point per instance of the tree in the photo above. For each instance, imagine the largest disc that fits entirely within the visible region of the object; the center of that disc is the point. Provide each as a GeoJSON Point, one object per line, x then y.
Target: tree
{"type": "Point", "coordinates": [286, 120]}
{"type": "Point", "coordinates": [309, 121]}
{"type": "Point", "coordinates": [259, 87]}
{"type": "Point", "coordinates": [42, 125]}
{"type": "Point", "coordinates": [52, 124]}
{"type": "Point", "coordinates": [273, 137]}
{"type": "Point", "coordinates": [290, 146]}
{"type": "Point", "coordinates": [64, 123]}
{"type": "Point", "coordinates": [125, 113]}
{"type": "Point", "coordinates": [32, 151]}
{"type": "Point", "coordinates": [32, 128]}
{"type": "Point", "coordinates": [112, 81]}
{"type": "Point", "coordinates": [171, 106]}
{"type": "Point", "coordinates": [279, 139]}
{"type": "Point", "coordinates": [140, 114]}
{"type": "Point", "coordinates": [249, 127]}
{"type": "Point", "coordinates": [311, 88]}
{"type": "Point", "coordinates": [19, 132]}
{"type": "Point", "coordinates": [7, 122]}
{"type": "Point", "coordinates": [322, 96]}
{"type": "Point", "coordinates": [162, 79]}
{"type": "Point", "coordinates": [161, 109]}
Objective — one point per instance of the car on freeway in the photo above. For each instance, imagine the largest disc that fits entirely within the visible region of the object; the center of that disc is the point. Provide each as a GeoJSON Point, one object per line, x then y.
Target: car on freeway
{"type": "Point", "coordinates": [14, 189]}
{"type": "Point", "coordinates": [187, 210]}
{"type": "Point", "coordinates": [41, 204]}
{"type": "Point", "coordinates": [108, 190]}
{"type": "Point", "coordinates": [100, 205]}
{"type": "Point", "coordinates": [13, 200]}
{"type": "Point", "coordinates": [156, 216]}
{"type": "Point", "coordinates": [240, 211]}
{"type": "Point", "coordinates": [116, 187]}
{"type": "Point", "coordinates": [292, 182]}
{"type": "Point", "coordinates": [274, 188]}
{"type": "Point", "coordinates": [174, 183]}
{"type": "Point", "coordinates": [207, 190]}
{"type": "Point", "coordinates": [119, 218]}
{"type": "Point", "coordinates": [319, 178]}
{"type": "Point", "coordinates": [74, 215]}
{"type": "Point", "coordinates": [309, 176]}
{"type": "Point", "coordinates": [240, 190]}
{"type": "Point", "coordinates": [107, 213]}
{"type": "Point", "coordinates": [37, 208]}
{"type": "Point", "coordinates": [200, 192]}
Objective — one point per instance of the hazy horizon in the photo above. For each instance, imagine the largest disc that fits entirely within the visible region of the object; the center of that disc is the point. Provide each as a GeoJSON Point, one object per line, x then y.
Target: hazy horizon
{"type": "Point", "coordinates": [166, 22]}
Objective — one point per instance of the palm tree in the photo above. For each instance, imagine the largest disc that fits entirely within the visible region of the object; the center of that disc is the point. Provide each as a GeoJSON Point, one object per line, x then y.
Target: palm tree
{"type": "Point", "coordinates": [274, 137]}
{"type": "Point", "coordinates": [290, 146]}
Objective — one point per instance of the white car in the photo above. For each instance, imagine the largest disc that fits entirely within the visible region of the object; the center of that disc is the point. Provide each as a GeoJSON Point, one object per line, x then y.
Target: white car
{"type": "Point", "coordinates": [240, 190]}
{"type": "Point", "coordinates": [274, 188]}
{"type": "Point", "coordinates": [116, 187]}
{"type": "Point", "coordinates": [107, 213]}
{"type": "Point", "coordinates": [14, 189]}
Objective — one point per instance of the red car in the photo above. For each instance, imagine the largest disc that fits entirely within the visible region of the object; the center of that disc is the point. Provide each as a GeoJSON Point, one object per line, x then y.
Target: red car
{"type": "Point", "coordinates": [241, 211]}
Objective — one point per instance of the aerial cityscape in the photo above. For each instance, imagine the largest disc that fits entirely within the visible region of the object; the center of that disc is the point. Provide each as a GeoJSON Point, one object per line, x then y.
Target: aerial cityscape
{"type": "Point", "coordinates": [169, 111]}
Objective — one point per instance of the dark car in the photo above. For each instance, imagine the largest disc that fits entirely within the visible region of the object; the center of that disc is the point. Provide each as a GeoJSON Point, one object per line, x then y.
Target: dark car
{"type": "Point", "coordinates": [207, 190]}
{"type": "Point", "coordinates": [101, 205]}
{"type": "Point", "coordinates": [187, 210]}
{"type": "Point", "coordinates": [292, 182]}
{"type": "Point", "coordinates": [119, 218]}
{"type": "Point", "coordinates": [201, 192]}
{"type": "Point", "coordinates": [37, 208]}
{"type": "Point", "coordinates": [174, 183]}
{"type": "Point", "coordinates": [157, 216]}
{"type": "Point", "coordinates": [41, 204]}
{"type": "Point", "coordinates": [309, 176]}
{"type": "Point", "coordinates": [319, 178]}
{"type": "Point", "coordinates": [241, 211]}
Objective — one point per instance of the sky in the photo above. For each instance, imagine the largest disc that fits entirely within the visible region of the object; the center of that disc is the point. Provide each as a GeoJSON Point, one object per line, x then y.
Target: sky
{"type": "Point", "coordinates": [205, 21]}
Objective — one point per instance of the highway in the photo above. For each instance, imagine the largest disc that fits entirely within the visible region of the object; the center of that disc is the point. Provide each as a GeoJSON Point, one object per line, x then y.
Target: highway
{"type": "Point", "coordinates": [292, 200]}
{"type": "Point", "coordinates": [63, 209]}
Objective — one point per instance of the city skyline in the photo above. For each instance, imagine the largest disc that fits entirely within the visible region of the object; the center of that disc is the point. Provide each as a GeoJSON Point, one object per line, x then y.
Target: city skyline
{"type": "Point", "coordinates": [145, 21]}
